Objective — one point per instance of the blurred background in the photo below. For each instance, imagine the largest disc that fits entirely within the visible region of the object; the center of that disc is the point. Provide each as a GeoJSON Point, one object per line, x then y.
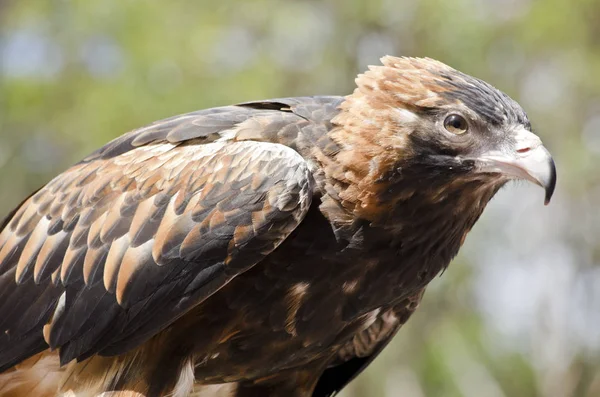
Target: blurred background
{"type": "Point", "coordinates": [517, 313]}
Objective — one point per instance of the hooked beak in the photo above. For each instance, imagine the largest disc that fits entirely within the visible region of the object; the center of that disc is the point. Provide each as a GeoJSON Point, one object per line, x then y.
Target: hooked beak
{"type": "Point", "coordinates": [529, 160]}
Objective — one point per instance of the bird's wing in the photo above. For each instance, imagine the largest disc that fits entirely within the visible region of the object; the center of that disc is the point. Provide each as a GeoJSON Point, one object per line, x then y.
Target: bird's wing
{"type": "Point", "coordinates": [120, 245]}
{"type": "Point", "coordinates": [364, 347]}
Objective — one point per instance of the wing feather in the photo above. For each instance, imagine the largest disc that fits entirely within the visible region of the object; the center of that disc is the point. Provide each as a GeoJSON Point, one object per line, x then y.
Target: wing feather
{"type": "Point", "coordinates": [50, 256]}
{"type": "Point", "coordinates": [117, 247]}
{"type": "Point", "coordinates": [163, 225]}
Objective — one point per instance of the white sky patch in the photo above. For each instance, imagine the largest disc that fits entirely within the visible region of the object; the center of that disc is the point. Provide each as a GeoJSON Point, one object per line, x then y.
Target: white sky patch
{"type": "Point", "coordinates": [235, 49]}
{"type": "Point", "coordinates": [102, 56]}
{"type": "Point", "coordinates": [289, 43]}
{"type": "Point", "coordinates": [29, 52]}
{"type": "Point", "coordinates": [371, 47]}
{"type": "Point", "coordinates": [591, 133]}
{"type": "Point", "coordinates": [535, 291]}
{"type": "Point", "coordinates": [544, 87]}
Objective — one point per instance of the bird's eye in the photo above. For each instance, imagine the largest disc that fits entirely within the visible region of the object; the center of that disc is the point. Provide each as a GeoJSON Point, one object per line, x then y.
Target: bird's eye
{"type": "Point", "coordinates": [456, 124]}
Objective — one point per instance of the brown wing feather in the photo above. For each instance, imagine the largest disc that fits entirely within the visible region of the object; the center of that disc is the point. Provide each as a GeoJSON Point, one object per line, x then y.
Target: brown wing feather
{"type": "Point", "coordinates": [139, 238]}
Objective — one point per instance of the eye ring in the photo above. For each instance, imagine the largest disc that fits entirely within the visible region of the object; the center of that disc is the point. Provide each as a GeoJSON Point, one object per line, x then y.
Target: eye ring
{"type": "Point", "coordinates": [456, 124]}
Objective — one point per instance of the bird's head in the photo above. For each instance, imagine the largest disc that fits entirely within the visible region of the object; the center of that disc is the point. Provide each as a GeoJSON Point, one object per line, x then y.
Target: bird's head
{"type": "Point", "coordinates": [439, 133]}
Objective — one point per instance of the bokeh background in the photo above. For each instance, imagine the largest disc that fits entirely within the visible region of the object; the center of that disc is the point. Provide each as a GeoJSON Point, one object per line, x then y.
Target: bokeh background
{"type": "Point", "coordinates": [517, 313]}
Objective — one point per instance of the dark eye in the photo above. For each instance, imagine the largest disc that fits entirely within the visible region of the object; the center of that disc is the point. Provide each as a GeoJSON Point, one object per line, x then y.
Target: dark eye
{"type": "Point", "coordinates": [456, 124]}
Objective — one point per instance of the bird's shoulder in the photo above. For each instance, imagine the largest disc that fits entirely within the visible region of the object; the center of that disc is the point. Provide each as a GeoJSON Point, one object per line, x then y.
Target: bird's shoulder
{"type": "Point", "coordinates": [275, 120]}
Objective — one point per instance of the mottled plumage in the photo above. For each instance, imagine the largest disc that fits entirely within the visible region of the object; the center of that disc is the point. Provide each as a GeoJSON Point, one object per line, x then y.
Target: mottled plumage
{"type": "Point", "coordinates": [265, 249]}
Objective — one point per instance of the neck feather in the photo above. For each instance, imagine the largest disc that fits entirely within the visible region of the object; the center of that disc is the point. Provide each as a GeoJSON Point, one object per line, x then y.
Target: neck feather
{"type": "Point", "coordinates": [375, 175]}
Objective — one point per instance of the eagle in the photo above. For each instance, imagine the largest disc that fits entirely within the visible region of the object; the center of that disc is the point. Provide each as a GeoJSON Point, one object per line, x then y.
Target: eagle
{"type": "Point", "coordinates": [266, 249]}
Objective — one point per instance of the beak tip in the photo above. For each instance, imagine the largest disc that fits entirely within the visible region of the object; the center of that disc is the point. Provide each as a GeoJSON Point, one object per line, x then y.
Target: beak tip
{"type": "Point", "coordinates": [550, 184]}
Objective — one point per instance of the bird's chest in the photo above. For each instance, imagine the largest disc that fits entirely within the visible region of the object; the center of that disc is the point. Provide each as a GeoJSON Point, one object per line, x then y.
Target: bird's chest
{"type": "Point", "coordinates": [331, 278]}
{"type": "Point", "coordinates": [305, 299]}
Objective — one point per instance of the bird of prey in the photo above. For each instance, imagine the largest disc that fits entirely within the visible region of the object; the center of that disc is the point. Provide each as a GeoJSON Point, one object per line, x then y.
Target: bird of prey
{"type": "Point", "coordinates": [266, 249]}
